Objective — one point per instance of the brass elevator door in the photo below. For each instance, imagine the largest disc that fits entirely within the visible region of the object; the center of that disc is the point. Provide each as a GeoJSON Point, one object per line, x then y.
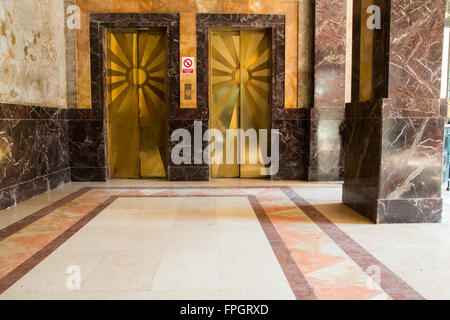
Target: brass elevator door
{"type": "Point", "coordinates": [240, 93]}
{"type": "Point", "coordinates": [137, 98]}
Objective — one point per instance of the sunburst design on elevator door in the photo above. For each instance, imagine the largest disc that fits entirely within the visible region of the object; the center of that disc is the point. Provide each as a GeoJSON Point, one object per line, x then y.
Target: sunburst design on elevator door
{"type": "Point", "coordinates": [137, 86]}
{"type": "Point", "coordinates": [240, 91]}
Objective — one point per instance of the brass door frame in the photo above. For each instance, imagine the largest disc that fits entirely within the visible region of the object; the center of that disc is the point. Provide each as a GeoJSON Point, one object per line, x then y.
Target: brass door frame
{"type": "Point", "coordinates": [138, 32]}
{"type": "Point", "coordinates": [243, 170]}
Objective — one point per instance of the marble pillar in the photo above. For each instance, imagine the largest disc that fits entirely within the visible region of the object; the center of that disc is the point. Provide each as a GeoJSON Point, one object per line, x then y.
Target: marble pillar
{"type": "Point", "coordinates": [394, 133]}
{"type": "Point", "coordinates": [327, 114]}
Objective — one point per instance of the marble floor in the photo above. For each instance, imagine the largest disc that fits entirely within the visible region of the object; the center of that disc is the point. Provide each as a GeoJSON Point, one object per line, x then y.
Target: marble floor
{"type": "Point", "coordinates": [225, 239]}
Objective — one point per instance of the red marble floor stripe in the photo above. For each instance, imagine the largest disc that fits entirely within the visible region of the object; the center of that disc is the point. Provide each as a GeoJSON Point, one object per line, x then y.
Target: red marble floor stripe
{"type": "Point", "coordinates": [16, 274]}
{"type": "Point", "coordinates": [297, 281]}
{"type": "Point", "coordinates": [390, 282]}
{"type": "Point", "coordinates": [19, 225]}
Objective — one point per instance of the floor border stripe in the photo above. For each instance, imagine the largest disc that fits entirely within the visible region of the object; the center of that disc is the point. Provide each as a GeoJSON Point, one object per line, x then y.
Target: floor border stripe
{"type": "Point", "coordinates": [390, 282]}
{"type": "Point", "coordinates": [299, 285]}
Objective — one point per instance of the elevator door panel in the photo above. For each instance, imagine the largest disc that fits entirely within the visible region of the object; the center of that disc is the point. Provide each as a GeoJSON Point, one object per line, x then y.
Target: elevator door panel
{"type": "Point", "coordinates": [137, 87]}
{"type": "Point", "coordinates": [240, 92]}
{"type": "Point", "coordinates": [224, 114]}
{"type": "Point", "coordinates": [255, 88]}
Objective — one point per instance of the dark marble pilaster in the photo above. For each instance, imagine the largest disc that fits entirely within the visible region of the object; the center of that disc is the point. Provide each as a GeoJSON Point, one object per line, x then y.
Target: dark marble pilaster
{"type": "Point", "coordinates": [393, 162]}
{"type": "Point", "coordinates": [394, 142]}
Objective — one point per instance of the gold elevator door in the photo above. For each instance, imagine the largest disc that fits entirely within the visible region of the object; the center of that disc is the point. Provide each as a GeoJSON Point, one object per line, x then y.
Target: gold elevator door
{"type": "Point", "coordinates": [240, 93]}
{"type": "Point", "coordinates": [137, 98]}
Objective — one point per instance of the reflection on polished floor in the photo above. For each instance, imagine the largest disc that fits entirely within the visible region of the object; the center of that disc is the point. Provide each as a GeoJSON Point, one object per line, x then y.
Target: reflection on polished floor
{"type": "Point", "coordinates": [226, 239]}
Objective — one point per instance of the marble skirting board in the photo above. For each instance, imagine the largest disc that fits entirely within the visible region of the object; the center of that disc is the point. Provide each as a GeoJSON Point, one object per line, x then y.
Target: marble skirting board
{"type": "Point", "coordinates": [393, 159]}
{"type": "Point", "coordinates": [34, 152]}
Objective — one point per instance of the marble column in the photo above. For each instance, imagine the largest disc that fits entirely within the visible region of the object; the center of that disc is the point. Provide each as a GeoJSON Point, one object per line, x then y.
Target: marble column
{"type": "Point", "coordinates": [327, 114]}
{"type": "Point", "coordinates": [395, 123]}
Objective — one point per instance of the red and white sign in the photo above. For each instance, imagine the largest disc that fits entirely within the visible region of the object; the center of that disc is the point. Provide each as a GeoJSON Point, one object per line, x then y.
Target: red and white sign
{"type": "Point", "coordinates": [187, 65]}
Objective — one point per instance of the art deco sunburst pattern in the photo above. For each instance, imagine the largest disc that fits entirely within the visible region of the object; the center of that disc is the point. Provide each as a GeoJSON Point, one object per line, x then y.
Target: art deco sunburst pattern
{"type": "Point", "coordinates": [240, 94]}
{"type": "Point", "coordinates": [137, 86]}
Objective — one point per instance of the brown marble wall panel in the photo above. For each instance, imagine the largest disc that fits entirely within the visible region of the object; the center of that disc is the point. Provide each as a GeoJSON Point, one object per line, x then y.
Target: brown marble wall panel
{"type": "Point", "coordinates": [326, 127]}
{"type": "Point", "coordinates": [7, 172]}
{"type": "Point", "coordinates": [89, 174]}
{"type": "Point", "coordinates": [363, 141]}
{"type": "Point", "coordinates": [411, 158]}
{"type": "Point", "coordinates": [415, 48]}
{"type": "Point", "coordinates": [293, 135]}
{"type": "Point", "coordinates": [34, 154]}
{"type": "Point", "coordinates": [87, 149]}
{"type": "Point", "coordinates": [393, 159]}
{"type": "Point", "coordinates": [329, 53]}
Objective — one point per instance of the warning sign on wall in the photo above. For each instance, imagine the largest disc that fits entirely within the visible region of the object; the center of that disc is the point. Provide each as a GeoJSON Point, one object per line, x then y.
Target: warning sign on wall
{"type": "Point", "coordinates": [187, 65]}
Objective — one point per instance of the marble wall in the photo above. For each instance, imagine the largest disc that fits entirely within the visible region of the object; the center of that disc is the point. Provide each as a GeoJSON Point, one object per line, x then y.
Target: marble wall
{"type": "Point", "coordinates": [42, 148]}
{"type": "Point", "coordinates": [34, 155]}
{"type": "Point", "coordinates": [32, 59]}
{"type": "Point", "coordinates": [394, 141]}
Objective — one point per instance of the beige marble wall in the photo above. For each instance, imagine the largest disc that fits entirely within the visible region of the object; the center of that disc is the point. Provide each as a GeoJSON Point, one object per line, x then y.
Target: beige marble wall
{"type": "Point", "coordinates": [187, 10]}
{"type": "Point", "coordinates": [32, 47]}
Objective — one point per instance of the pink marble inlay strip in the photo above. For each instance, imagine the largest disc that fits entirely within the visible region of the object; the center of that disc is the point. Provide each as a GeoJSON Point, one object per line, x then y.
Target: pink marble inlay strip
{"type": "Point", "coordinates": [18, 272]}
{"type": "Point", "coordinates": [19, 225]}
{"type": "Point", "coordinates": [299, 285]}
